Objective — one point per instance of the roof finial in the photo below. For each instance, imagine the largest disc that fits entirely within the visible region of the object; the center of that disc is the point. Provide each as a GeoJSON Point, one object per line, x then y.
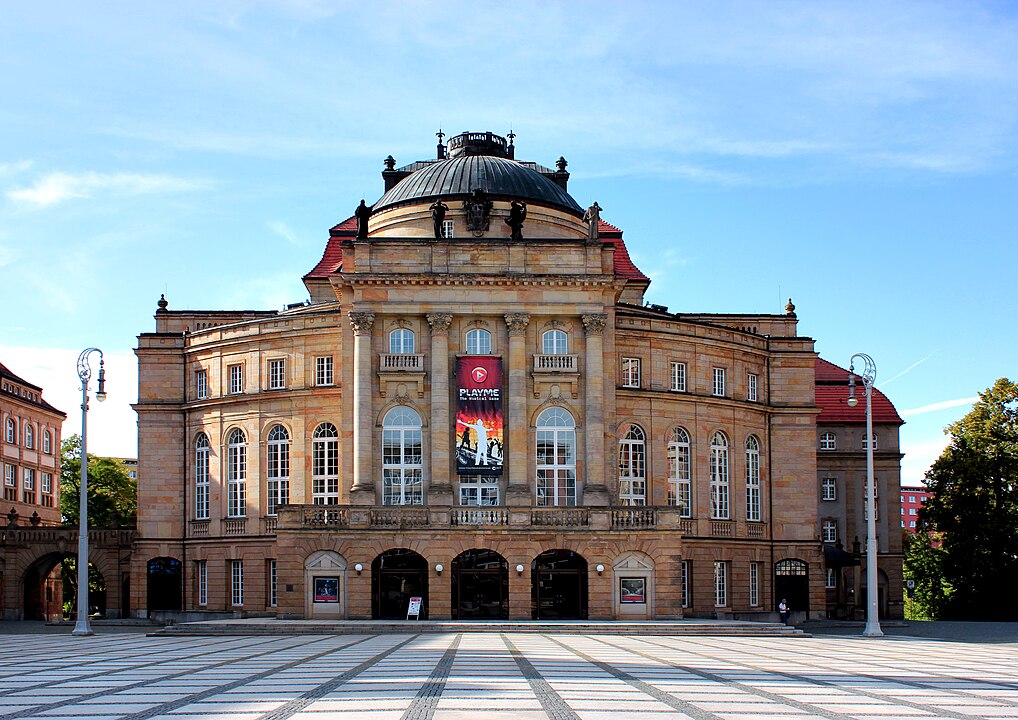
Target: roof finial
{"type": "Point", "coordinates": [441, 147]}
{"type": "Point", "coordinates": [790, 307]}
{"type": "Point", "coordinates": [162, 303]}
{"type": "Point", "coordinates": [511, 135]}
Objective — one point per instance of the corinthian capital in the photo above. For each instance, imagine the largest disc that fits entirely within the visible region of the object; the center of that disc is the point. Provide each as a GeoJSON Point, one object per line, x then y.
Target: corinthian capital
{"type": "Point", "coordinates": [361, 322]}
{"type": "Point", "coordinates": [594, 323]}
{"type": "Point", "coordinates": [517, 323]}
{"type": "Point", "coordinates": [439, 322]}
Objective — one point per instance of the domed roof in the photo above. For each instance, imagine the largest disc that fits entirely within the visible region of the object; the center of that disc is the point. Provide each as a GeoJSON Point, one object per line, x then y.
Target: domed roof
{"type": "Point", "coordinates": [500, 178]}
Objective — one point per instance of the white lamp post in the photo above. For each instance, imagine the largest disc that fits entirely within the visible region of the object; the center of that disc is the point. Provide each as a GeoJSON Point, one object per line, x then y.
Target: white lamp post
{"type": "Point", "coordinates": [81, 626]}
{"type": "Point", "coordinates": [869, 374]}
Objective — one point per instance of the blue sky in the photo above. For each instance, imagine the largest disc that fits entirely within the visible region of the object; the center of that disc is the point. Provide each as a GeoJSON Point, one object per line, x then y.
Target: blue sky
{"type": "Point", "coordinates": [857, 157]}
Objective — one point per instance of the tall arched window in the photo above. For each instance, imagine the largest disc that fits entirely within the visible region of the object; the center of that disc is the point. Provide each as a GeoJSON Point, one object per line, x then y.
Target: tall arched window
{"type": "Point", "coordinates": [325, 465]}
{"type": "Point", "coordinates": [719, 477]}
{"type": "Point", "coordinates": [12, 431]}
{"type": "Point", "coordinates": [201, 477]}
{"type": "Point", "coordinates": [478, 342]}
{"type": "Point", "coordinates": [277, 469]}
{"type": "Point", "coordinates": [679, 472]}
{"type": "Point", "coordinates": [752, 478]}
{"type": "Point", "coordinates": [633, 467]}
{"type": "Point", "coordinates": [29, 436]}
{"type": "Point", "coordinates": [556, 458]}
{"type": "Point", "coordinates": [236, 474]}
{"type": "Point", "coordinates": [401, 341]}
{"type": "Point", "coordinates": [402, 457]}
{"type": "Point", "coordinates": [47, 442]}
{"type": "Point", "coordinates": [554, 342]}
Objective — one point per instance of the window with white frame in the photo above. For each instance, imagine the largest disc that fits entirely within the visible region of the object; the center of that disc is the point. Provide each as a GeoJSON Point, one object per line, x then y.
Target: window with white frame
{"type": "Point", "coordinates": [911, 523]}
{"type": "Point", "coordinates": [323, 370]}
{"type": "Point", "coordinates": [402, 457]}
{"type": "Point", "coordinates": [684, 583]}
{"type": "Point", "coordinates": [47, 483]}
{"type": "Point", "coordinates": [236, 474]}
{"type": "Point", "coordinates": [631, 372]}
{"type": "Point", "coordinates": [401, 342]}
{"type": "Point", "coordinates": [554, 342]}
{"type": "Point", "coordinates": [912, 511]}
{"type": "Point", "coordinates": [874, 441]}
{"type": "Point", "coordinates": [752, 478]}
{"type": "Point", "coordinates": [479, 490]}
{"type": "Point", "coordinates": [28, 486]}
{"type": "Point", "coordinates": [866, 511]}
{"type": "Point", "coordinates": [47, 442]}
{"type": "Point", "coordinates": [272, 593]}
{"type": "Point", "coordinates": [680, 472]}
{"type": "Point", "coordinates": [751, 382]}
{"type": "Point", "coordinates": [720, 583]}
{"type": "Point", "coordinates": [236, 582]}
{"type": "Point", "coordinates": [277, 469]}
{"type": "Point", "coordinates": [277, 374]}
{"type": "Point", "coordinates": [678, 377]}
{"type": "Point", "coordinates": [633, 467]}
{"type": "Point", "coordinates": [203, 582]}
{"type": "Point", "coordinates": [828, 441]}
{"type": "Point", "coordinates": [236, 379]}
{"type": "Point", "coordinates": [29, 436]}
{"type": "Point", "coordinates": [830, 489]}
{"type": "Point", "coordinates": [556, 458]}
{"type": "Point", "coordinates": [831, 580]}
{"type": "Point", "coordinates": [448, 229]}
{"type": "Point", "coordinates": [12, 431]}
{"type": "Point", "coordinates": [754, 584]}
{"type": "Point", "coordinates": [719, 509]}
{"type": "Point", "coordinates": [830, 530]}
{"type": "Point", "coordinates": [866, 487]}
{"type": "Point", "coordinates": [201, 384]}
{"type": "Point", "coordinates": [11, 475]}
{"type": "Point", "coordinates": [325, 465]}
{"type": "Point", "coordinates": [478, 342]}
{"type": "Point", "coordinates": [202, 448]}
{"type": "Point", "coordinates": [719, 382]}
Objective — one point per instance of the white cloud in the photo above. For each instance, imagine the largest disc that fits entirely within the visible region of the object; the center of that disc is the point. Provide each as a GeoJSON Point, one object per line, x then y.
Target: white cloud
{"type": "Point", "coordinates": [282, 230]}
{"type": "Point", "coordinates": [15, 167]}
{"type": "Point", "coordinates": [919, 457]}
{"type": "Point", "coordinates": [938, 406]}
{"type": "Point", "coordinates": [59, 186]}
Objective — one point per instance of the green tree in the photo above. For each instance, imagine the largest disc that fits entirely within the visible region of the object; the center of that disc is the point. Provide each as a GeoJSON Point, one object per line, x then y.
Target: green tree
{"type": "Point", "coordinates": [112, 492]}
{"type": "Point", "coordinates": [975, 507]}
{"type": "Point", "coordinates": [924, 566]}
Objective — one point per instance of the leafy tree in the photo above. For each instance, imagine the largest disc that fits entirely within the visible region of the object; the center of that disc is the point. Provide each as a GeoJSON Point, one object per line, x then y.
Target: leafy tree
{"type": "Point", "coordinates": [112, 493]}
{"type": "Point", "coordinates": [975, 507]}
{"type": "Point", "coordinates": [924, 565]}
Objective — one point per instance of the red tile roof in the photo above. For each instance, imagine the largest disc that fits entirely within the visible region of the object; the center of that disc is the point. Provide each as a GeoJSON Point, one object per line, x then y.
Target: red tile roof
{"type": "Point", "coordinates": [624, 265]}
{"type": "Point", "coordinates": [6, 374]}
{"type": "Point", "coordinates": [332, 258]}
{"type": "Point", "coordinates": [832, 398]}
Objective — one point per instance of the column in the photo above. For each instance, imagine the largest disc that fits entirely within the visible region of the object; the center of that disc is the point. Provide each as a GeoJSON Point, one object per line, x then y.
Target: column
{"type": "Point", "coordinates": [363, 483]}
{"type": "Point", "coordinates": [439, 485]}
{"type": "Point", "coordinates": [516, 420]}
{"type": "Point", "coordinates": [595, 491]}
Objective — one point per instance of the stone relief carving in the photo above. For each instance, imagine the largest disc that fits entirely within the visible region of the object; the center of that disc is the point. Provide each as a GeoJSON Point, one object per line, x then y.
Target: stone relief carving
{"type": "Point", "coordinates": [439, 322]}
{"type": "Point", "coordinates": [517, 323]}
{"type": "Point", "coordinates": [594, 323]}
{"type": "Point", "coordinates": [362, 322]}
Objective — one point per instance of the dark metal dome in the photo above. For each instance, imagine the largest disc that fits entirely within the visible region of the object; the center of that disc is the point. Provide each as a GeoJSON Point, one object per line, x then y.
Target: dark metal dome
{"type": "Point", "coordinates": [500, 178]}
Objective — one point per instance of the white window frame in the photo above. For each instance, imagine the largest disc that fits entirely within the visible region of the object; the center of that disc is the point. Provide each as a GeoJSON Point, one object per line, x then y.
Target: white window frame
{"type": "Point", "coordinates": [684, 583]}
{"type": "Point", "coordinates": [47, 442]}
{"type": "Point", "coordinates": [830, 579]}
{"type": "Point", "coordinates": [402, 341]}
{"type": "Point", "coordinates": [631, 372]}
{"type": "Point", "coordinates": [875, 442]}
{"type": "Point", "coordinates": [719, 382]}
{"type": "Point", "coordinates": [678, 376]}
{"type": "Point", "coordinates": [680, 472]}
{"type": "Point", "coordinates": [236, 474]}
{"type": "Point", "coordinates": [277, 374]}
{"type": "Point", "coordinates": [720, 583]}
{"type": "Point", "coordinates": [828, 441]}
{"type": "Point", "coordinates": [11, 475]}
{"type": "Point", "coordinates": [633, 466]}
{"type": "Point", "coordinates": [751, 387]}
{"type": "Point", "coordinates": [323, 370]}
{"type": "Point", "coordinates": [236, 373]}
{"type": "Point", "coordinates": [277, 470]}
{"type": "Point", "coordinates": [754, 584]}
{"type": "Point", "coordinates": [402, 467]}
{"type": "Point", "coordinates": [479, 491]}
{"type": "Point", "coordinates": [554, 342]}
{"type": "Point", "coordinates": [478, 341]}
{"type": "Point", "coordinates": [273, 586]}
{"type": "Point", "coordinates": [753, 479]}
{"type": "Point", "coordinates": [325, 465]}
{"type": "Point", "coordinates": [829, 489]}
{"type": "Point", "coordinates": [46, 485]}
{"type": "Point", "coordinates": [28, 478]}
{"type": "Point", "coordinates": [201, 384]}
{"type": "Point", "coordinates": [236, 583]}
{"type": "Point", "coordinates": [29, 436]}
{"type": "Point", "coordinates": [448, 229]}
{"type": "Point", "coordinates": [12, 431]}
{"type": "Point", "coordinates": [829, 530]}
{"type": "Point", "coordinates": [555, 455]}
{"type": "Point", "coordinates": [720, 508]}
{"type": "Point", "coordinates": [202, 452]}
{"type": "Point", "coordinates": [203, 583]}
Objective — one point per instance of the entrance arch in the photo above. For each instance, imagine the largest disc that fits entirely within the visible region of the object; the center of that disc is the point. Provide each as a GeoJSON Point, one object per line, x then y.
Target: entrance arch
{"type": "Point", "coordinates": [396, 576]}
{"type": "Point", "coordinates": [50, 582]}
{"type": "Point", "coordinates": [791, 583]}
{"type": "Point", "coordinates": [480, 585]}
{"type": "Point", "coordinates": [164, 584]}
{"type": "Point", "coordinates": [325, 585]}
{"type": "Point", "coordinates": [559, 586]}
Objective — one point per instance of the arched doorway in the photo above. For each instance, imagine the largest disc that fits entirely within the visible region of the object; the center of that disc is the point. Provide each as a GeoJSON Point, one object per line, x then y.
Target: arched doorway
{"type": "Point", "coordinates": [50, 583]}
{"type": "Point", "coordinates": [480, 585]}
{"type": "Point", "coordinates": [559, 586]}
{"type": "Point", "coordinates": [396, 576]}
{"type": "Point", "coordinates": [791, 583]}
{"type": "Point", "coordinates": [164, 583]}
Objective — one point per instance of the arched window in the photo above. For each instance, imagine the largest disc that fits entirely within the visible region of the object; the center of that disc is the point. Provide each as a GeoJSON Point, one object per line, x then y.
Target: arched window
{"type": "Point", "coordinates": [402, 457]}
{"type": "Point", "coordinates": [236, 474]}
{"type": "Point", "coordinates": [863, 440]}
{"type": "Point", "coordinates": [633, 467]}
{"type": "Point", "coordinates": [325, 465]}
{"type": "Point", "coordinates": [679, 472]}
{"type": "Point", "coordinates": [277, 469]}
{"type": "Point", "coordinates": [554, 342]}
{"type": "Point", "coordinates": [201, 477]}
{"type": "Point", "coordinates": [719, 477]}
{"type": "Point", "coordinates": [478, 342]}
{"type": "Point", "coordinates": [556, 458]}
{"type": "Point", "coordinates": [752, 478]}
{"type": "Point", "coordinates": [47, 442]}
{"type": "Point", "coordinates": [401, 341]}
{"type": "Point", "coordinates": [29, 436]}
{"type": "Point", "coordinates": [12, 431]}
{"type": "Point", "coordinates": [828, 441]}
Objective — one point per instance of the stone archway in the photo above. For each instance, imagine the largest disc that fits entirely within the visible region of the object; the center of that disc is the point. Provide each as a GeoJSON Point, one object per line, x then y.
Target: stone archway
{"type": "Point", "coordinates": [396, 576]}
{"type": "Point", "coordinates": [325, 585]}
{"type": "Point", "coordinates": [480, 585]}
{"type": "Point", "coordinates": [559, 586]}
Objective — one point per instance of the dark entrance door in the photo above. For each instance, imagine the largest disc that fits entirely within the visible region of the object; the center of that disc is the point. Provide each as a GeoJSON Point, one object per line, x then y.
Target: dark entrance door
{"type": "Point", "coordinates": [398, 575]}
{"type": "Point", "coordinates": [791, 583]}
{"type": "Point", "coordinates": [559, 589]}
{"type": "Point", "coordinates": [480, 585]}
{"type": "Point", "coordinates": [164, 583]}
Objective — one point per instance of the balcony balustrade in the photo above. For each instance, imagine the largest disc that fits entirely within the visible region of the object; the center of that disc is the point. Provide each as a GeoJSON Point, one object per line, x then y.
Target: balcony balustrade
{"type": "Point", "coordinates": [235, 526]}
{"type": "Point", "coordinates": [479, 517]}
{"type": "Point", "coordinates": [633, 518]}
{"type": "Point", "coordinates": [401, 363]}
{"type": "Point", "coordinates": [560, 517]}
{"type": "Point", "coordinates": [555, 363]}
{"type": "Point", "coordinates": [199, 528]}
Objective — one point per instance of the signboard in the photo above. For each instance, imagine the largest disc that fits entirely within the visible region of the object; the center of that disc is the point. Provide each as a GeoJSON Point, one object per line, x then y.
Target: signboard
{"type": "Point", "coordinates": [479, 433]}
{"type": "Point", "coordinates": [414, 608]}
{"type": "Point", "coordinates": [326, 590]}
{"type": "Point", "coordinates": [633, 590]}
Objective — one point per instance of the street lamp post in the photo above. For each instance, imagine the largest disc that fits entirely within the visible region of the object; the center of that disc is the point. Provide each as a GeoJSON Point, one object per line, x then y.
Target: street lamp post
{"type": "Point", "coordinates": [81, 626]}
{"type": "Point", "coordinates": [869, 374]}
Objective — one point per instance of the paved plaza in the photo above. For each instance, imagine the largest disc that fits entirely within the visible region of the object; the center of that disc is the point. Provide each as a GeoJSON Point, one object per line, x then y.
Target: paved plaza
{"type": "Point", "coordinates": [503, 675]}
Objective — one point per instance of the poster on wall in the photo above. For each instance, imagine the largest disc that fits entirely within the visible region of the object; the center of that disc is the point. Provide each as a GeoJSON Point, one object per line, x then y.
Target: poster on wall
{"type": "Point", "coordinates": [479, 432]}
{"type": "Point", "coordinates": [633, 590]}
{"type": "Point", "coordinates": [326, 590]}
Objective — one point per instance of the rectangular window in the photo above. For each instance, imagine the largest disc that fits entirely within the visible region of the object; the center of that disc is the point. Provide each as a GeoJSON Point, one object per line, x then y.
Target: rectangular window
{"type": "Point", "coordinates": [678, 377]}
{"type": "Point", "coordinates": [874, 441]}
{"type": "Point", "coordinates": [832, 579]}
{"type": "Point", "coordinates": [28, 487]}
{"type": "Point", "coordinates": [830, 529]}
{"type": "Point", "coordinates": [719, 382]}
{"type": "Point", "coordinates": [684, 582]}
{"type": "Point", "coordinates": [237, 582]}
{"type": "Point", "coordinates": [876, 488]}
{"type": "Point", "coordinates": [830, 489]}
{"type": "Point", "coordinates": [479, 490]}
{"type": "Point", "coordinates": [236, 379]}
{"type": "Point", "coordinates": [630, 372]}
{"type": "Point", "coordinates": [273, 598]}
{"type": "Point", "coordinates": [277, 374]}
{"type": "Point", "coordinates": [47, 483]}
{"type": "Point", "coordinates": [448, 229]}
{"type": "Point", "coordinates": [201, 384]}
{"type": "Point", "coordinates": [323, 370]}
{"type": "Point", "coordinates": [754, 584]}
{"type": "Point", "coordinates": [828, 441]}
{"type": "Point", "coordinates": [203, 582]}
{"type": "Point", "coordinates": [10, 476]}
{"type": "Point", "coordinates": [911, 511]}
{"type": "Point", "coordinates": [911, 498]}
{"type": "Point", "coordinates": [751, 389]}
{"type": "Point", "coordinates": [911, 523]}
{"type": "Point", "coordinates": [720, 583]}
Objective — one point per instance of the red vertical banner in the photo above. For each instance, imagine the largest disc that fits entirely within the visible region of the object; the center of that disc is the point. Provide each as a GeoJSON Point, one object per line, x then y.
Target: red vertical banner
{"type": "Point", "coordinates": [479, 421]}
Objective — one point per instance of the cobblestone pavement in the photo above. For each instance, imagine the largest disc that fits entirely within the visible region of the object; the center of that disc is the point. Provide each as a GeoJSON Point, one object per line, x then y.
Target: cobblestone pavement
{"type": "Point", "coordinates": [490, 675]}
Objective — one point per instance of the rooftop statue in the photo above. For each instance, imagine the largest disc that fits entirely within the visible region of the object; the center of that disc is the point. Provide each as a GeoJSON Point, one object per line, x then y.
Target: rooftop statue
{"type": "Point", "coordinates": [517, 215]}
